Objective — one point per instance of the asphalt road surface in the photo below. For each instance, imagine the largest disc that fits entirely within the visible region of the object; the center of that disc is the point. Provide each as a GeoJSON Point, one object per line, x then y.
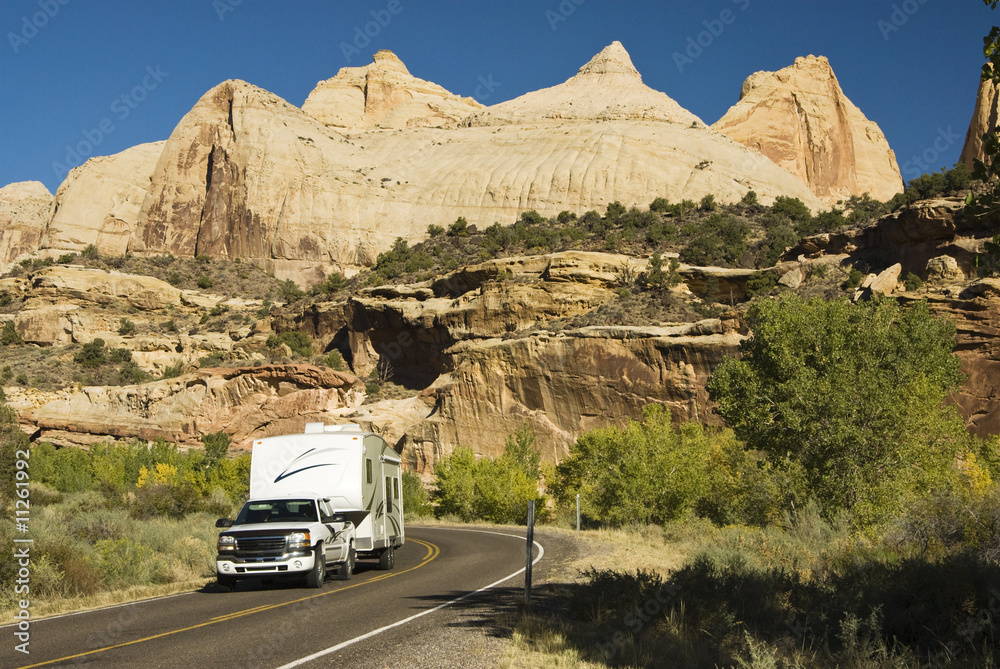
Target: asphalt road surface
{"type": "Point", "coordinates": [285, 624]}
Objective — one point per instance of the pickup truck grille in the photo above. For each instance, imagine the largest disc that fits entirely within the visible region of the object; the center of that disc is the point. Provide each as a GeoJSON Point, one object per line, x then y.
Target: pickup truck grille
{"type": "Point", "coordinates": [260, 546]}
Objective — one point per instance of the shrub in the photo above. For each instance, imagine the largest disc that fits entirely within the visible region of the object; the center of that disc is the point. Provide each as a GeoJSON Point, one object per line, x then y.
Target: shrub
{"type": "Point", "coordinates": [912, 281]}
{"type": "Point", "coordinates": [173, 370]}
{"type": "Point", "coordinates": [93, 354]}
{"type": "Point", "coordinates": [9, 335]}
{"type": "Point", "coordinates": [297, 341]}
{"type": "Point", "coordinates": [334, 360]}
{"type": "Point", "coordinates": [126, 327]}
{"type": "Point", "coordinates": [660, 205]}
{"type": "Point", "coordinates": [290, 292]}
{"type": "Point", "coordinates": [853, 279]}
{"type": "Point", "coordinates": [90, 252]}
{"type": "Point", "coordinates": [334, 283]}
{"type": "Point", "coordinates": [205, 281]}
{"type": "Point", "coordinates": [434, 230]}
{"type": "Point", "coordinates": [460, 228]}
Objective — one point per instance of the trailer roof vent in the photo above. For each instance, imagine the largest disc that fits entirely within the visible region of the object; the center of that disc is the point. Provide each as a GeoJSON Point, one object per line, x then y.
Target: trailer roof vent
{"type": "Point", "coordinates": [347, 427]}
{"type": "Point", "coordinates": [319, 428]}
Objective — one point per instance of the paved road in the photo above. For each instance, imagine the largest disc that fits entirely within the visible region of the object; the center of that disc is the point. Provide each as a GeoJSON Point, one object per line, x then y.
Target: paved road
{"type": "Point", "coordinates": [284, 624]}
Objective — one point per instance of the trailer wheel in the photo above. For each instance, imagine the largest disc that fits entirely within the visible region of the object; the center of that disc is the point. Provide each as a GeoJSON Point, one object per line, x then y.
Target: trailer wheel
{"type": "Point", "coordinates": [318, 573]}
{"type": "Point", "coordinates": [347, 569]}
{"type": "Point", "coordinates": [387, 559]}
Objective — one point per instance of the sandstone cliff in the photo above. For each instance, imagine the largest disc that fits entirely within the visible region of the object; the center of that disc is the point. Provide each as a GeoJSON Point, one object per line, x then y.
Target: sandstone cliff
{"type": "Point", "coordinates": [99, 201]}
{"type": "Point", "coordinates": [607, 88]}
{"type": "Point", "coordinates": [25, 208]}
{"type": "Point", "coordinates": [245, 403]}
{"type": "Point", "coordinates": [384, 95]}
{"type": "Point", "coordinates": [800, 118]}
{"type": "Point", "coordinates": [246, 174]}
{"type": "Point", "coordinates": [984, 119]}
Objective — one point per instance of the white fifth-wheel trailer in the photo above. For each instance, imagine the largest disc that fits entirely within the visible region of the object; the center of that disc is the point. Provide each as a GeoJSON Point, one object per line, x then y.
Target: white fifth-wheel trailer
{"type": "Point", "coordinates": [318, 501]}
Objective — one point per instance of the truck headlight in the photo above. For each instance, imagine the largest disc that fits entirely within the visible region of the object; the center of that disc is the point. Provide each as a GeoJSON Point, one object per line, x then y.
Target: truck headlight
{"type": "Point", "coordinates": [227, 543]}
{"type": "Point", "coordinates": [299, 540]}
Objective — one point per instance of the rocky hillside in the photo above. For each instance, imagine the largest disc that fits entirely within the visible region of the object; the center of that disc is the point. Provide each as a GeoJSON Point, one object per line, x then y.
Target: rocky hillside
{"type": "Point", "coordinates": [562, 341]}
{"type": "Point", "coordinates": [376, 153]}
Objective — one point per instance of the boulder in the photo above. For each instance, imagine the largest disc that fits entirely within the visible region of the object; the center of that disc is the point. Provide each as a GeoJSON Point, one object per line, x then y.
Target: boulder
{"type": "Point", "coordinates": [944, 269]}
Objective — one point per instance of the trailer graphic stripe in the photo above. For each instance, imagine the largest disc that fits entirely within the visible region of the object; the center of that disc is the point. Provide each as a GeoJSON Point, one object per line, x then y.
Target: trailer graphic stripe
{"type": "Point", "coordinates": [432, 552]}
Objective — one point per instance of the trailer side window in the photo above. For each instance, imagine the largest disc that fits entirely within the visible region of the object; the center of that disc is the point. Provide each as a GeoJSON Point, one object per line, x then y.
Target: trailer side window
{"type": "Point", "coordinates": [388, 497]}
{"type": "Point", "coordinates": [368, 469]}
{"type": "Point", "coordinates": [395, 488]}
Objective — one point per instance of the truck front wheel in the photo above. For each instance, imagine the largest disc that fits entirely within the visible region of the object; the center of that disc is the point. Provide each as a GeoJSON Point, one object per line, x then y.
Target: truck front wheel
{"type": "Point", "coordinates": [387, 559]}
{"type": "Point", "coordinates": [347, 569]}
{"type": "Point", "coordinates": [318, 573]}
{"type": "Point", "coordinates": [226, 583]}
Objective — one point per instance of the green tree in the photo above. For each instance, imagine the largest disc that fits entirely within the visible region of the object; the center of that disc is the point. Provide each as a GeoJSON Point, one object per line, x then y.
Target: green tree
{"type": "Point", "coordinates": [216, 447]}
{"type": "Point", "coordinates": [851, 394]}
{"type": "Point", "coordinates": [495, 490]}
{"type": "Point", "coordinates": [416, 499]}
{"type": "Point", "coordinates": [644, 472]}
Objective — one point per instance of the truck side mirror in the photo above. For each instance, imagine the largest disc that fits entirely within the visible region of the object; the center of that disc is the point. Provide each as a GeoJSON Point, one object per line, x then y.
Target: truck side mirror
{"type": "Point", "coordinates": [224, 522]}
{"type": "Point", "coordinates": [336, 518]}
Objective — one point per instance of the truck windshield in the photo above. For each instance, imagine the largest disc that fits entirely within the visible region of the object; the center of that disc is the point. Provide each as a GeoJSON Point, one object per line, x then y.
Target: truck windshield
{"type": "Point", "coordinates": [277, 511]}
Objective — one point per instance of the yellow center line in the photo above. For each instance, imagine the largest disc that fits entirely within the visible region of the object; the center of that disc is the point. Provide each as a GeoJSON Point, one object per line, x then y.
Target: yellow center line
{"type": "Point", "coordinates": [432, 552]}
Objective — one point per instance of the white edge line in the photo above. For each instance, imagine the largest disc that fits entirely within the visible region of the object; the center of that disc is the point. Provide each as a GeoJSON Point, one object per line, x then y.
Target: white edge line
{"type": "Point", "coordinates": [345, 644]}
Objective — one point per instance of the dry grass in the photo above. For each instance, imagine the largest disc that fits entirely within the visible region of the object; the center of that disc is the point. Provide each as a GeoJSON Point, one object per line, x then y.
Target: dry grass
{"type": "Point", "coordinates": [100, 600]}
{"type": "Point", "coordinates": [545, 641]}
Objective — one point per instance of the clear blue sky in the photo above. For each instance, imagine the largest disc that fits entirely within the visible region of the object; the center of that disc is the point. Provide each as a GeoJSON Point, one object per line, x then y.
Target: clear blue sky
{"type": "Point", "coordinates": [911, 66]}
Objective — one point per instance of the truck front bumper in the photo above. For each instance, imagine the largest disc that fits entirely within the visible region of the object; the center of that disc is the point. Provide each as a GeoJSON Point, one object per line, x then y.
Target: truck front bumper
{"type": "Point", "coordinates": [293, 565]}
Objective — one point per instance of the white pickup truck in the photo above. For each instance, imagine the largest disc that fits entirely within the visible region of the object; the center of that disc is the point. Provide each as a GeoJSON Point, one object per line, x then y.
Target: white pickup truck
{"type": "Point", "coordinates": [318, 501]}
